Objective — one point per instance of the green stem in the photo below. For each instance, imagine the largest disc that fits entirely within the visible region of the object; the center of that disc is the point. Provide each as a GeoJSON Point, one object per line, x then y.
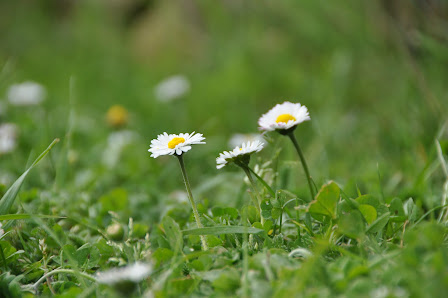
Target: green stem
{"type": "Point", "coordinates": [302, 159]}
{"type": "Point", "coordinates": [69, 271]}
{"type": "Point", "coordinates": [254, 187]}
{"type": "Point", "coordinates": [193, 204]}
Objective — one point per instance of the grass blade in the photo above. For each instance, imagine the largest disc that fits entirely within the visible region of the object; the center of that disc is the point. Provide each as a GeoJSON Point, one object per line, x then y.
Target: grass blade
{"type": "Point", "coordinates": [10, 196]}
{"type": "Point", "coordinates": [222, 230]}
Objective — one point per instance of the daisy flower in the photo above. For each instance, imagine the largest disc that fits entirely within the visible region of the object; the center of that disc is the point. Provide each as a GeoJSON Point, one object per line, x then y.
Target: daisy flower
{"type": "Point", "coordinates": [26, 94]}
{"type": "Point", "coordinates": [239, 138]}
{"type": "Point", "coordinates": [284, 116]}
{"type": "Point", "coordinates": [172, 144]}
{"type": "Point", "coordinates": [133, 273]}
{"type": "Point", "coordinates": [239, 155]}
{"type": "Point", "coordinates": [169, 144]}
{"type": "Point", "coordinates": [172, 88]}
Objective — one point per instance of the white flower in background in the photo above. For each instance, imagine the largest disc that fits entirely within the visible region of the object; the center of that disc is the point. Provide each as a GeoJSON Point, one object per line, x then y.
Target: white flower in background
{"type": "Point", "coordinates": [172, 88]}
{"type": "Point", "coordinates": [8, 137]}
{"type": "Point", "coordinates": [283, 117]}
{"type": "Point", "coordinates": [134, 273]}
{"type": "Point", "coordinates": [168, 144]}
{"type": "Point", "coordinates": [239, 138]}
{"type": "Point", "coordinates": [238, 154]}
{"type": "Point", "coordinates": [26, 94]}
{"type": "Point", "coordinates": [116, 142]}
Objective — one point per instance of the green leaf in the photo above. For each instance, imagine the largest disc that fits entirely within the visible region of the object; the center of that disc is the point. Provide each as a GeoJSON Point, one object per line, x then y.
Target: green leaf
{"type": "Point", "coordinates": [368, 200]}
{"type": "Point", "coordinates": [222, 230]}
{"type": "Point", "coordinates": [368, 212]}
{"type": "Point", "coordinates": [379, 223]}
{"type": "Point", "coordinates": [173, 233]}
{"type": "Point", "coordinates": [116, 200]}
{"type": "Point", "coordinates": [10, 196]}
{"type": "Point", "coordinates": [87, 256]}
{"type": "Point", "coordinates": [266, 208]}
{"type": "Point", "coordinates": [396, 207]}
{"type": "Point", "coordinates": [410, 209]}
{"type": "Point", "coordinates": [352, 224]}
{"type": "Point", "coordinates": [326, 201]}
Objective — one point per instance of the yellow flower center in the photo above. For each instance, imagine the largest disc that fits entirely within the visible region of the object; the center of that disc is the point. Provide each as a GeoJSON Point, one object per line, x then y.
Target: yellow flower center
{"type": "Point", "coordinates": [174, 142]}
{"type": "Point", "coordinates": [284, 118]}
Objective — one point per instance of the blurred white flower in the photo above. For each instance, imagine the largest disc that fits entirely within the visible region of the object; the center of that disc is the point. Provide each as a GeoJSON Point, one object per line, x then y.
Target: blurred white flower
{"type": "Point", "coordinates": [8, 137]}
{"type": "Point", "coordinates": [239, 138]}
{"type": "Point", "coordinates": [26, 94]}
{"type": "Point", "coordinates": [116, 142]}
{"type": "Point", "coordinates": [134, 273]}
{"type": "Point", "coordinates": [172, 88]}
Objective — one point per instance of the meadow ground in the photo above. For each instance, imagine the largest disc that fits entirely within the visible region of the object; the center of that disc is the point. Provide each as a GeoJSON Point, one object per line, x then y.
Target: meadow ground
{"type": "Point", "coordinates": [372, 75]}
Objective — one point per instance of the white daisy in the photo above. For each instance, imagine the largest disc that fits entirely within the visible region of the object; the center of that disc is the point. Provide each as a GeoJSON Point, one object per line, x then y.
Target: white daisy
{"type": "Point", "coordinates": [8, 137]}
{"type": "Point", "coordinates": [240, 138]}
{"type": "Point", "coordinates": [26, 94]}
{"type": "Point", "coordinates": [239, 155]}
{"type": "Point", "coordinates": [172, 88]}
{"type": "Point", "coordinates": [134, 273]}
{"type": "Point", "coordinates": [283, 117]}
{"type": "Point", "coordinates": [168, 144]}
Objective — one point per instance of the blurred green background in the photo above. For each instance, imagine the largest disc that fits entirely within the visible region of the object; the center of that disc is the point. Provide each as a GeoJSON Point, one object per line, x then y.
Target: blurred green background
{"type": "Point", "coordinates": [372, 74]}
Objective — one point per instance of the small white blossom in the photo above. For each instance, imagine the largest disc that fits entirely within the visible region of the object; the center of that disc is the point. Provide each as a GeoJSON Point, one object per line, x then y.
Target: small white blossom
{"type": "Point", "coordinates": [238, 153]}
{"type": "Point", "coordinates": [169, 144]}
{"type": "Point", "coordinates": [172, 88]}
{"type": "Point", "coordinates": [26, 94]}
{"type": "Point", "coordinates": [239, 138]}
{"type": "Point", "coordinates": [116, 142]}
{"type": "Point", "coordinates": [8, 137]}
{"type": "Point", "coordinates": [283, 116]}
{"type": "Point", "coordinates": [134, 273]}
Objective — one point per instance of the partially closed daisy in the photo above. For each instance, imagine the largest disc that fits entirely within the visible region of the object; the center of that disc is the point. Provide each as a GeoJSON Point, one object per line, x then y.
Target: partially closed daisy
{"type": "Point", "coordinates": [134, 273]}
{"type": "Point", "coordinates": [239, 155]}
{"type": "Point", "coordinates": [283, 117]}
{"type": "Point", "coordinates": [173, 144]}
{"type": "Point", "coordinates": [169, 144]}
{"type": "Point", "coordinates": [125, 279]}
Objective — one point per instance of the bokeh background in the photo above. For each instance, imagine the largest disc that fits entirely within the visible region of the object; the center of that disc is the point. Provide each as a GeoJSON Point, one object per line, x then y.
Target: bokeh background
{"type": "Point", "coordinates": [372, 73]}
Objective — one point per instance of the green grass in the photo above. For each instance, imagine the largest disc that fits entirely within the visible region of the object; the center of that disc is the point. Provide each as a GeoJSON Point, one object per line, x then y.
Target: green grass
{"type": "Point", "coordinates": [372, 77]}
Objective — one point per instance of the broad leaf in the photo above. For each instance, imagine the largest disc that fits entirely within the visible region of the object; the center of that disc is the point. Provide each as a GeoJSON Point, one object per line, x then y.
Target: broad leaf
{"type": "Point", "coordinates": [326, 201]}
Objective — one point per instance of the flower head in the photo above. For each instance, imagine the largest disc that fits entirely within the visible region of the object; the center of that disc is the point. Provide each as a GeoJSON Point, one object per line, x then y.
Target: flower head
{"type": "Point", "coordinates": [172, 88]}
{"type": "Point", "coordinates": [8, 137]}
{"type": "Point", "coordinates": [239, 155]}
{"type": "Point", "coordinates": [168, 144]}
{"type": "Point", "coordinates": [26, 94]}
{"type": "Point", "coordinates": [283, 117]}
{"type": "Point", "coordinates": [117, 116]}
{"type": "Point", "coordinates": [131, 273]}
{"type": "Point", "coordinates": [239, 138]}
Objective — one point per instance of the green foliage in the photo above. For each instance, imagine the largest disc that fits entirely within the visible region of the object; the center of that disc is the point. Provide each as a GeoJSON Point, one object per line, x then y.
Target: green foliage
{"type": "Point", "coordinates": [372, 75]}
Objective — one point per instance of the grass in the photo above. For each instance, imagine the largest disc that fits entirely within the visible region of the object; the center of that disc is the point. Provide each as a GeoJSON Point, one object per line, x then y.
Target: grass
{"type": "Point", "coordinates": [372, 77]}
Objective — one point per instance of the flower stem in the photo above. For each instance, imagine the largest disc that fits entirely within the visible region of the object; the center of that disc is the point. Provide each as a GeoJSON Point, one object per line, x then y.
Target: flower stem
{"type": "Point", "coordinates": [68, 271]}
{"type": "Point", "coordinates": [302, 159]}
{"type": "Point", "coordinates": [254, 188]}
{"type": "Point", "coordinates": [193, 204]}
